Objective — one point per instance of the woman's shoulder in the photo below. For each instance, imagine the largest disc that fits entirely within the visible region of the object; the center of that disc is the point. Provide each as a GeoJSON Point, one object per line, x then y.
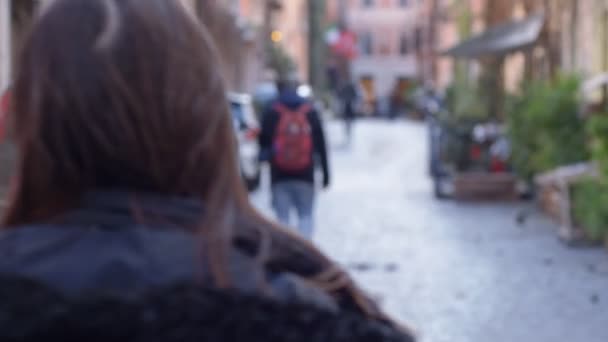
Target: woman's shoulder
{"type": "Point", "coordinates": [14, 239]}
{"type": "Point", "coordinates": [78, 259]}
{"type": "Point", "coordinates": [136, 257]}
{"type": "Point", "coordinates": [59, 238]}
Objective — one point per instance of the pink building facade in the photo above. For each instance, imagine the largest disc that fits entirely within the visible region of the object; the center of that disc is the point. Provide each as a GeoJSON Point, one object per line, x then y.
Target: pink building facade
{"type": "Point", "coordinates": [389, 35]}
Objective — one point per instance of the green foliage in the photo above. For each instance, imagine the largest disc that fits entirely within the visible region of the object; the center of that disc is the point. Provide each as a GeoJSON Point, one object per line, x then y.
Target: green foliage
{"type": "Point", "coordinates": [590, 207]}
{"type": "Point", "coordinates": [463, 101]}
{"type": "Point", "coordinates": [590, 196]}
{"type": "Point", "coordinates": [544, 126]}
{"type": "Point", "coordinates": [465, 110]}
{"type": "Point", "coordinates": [597, 129]}
{"type": "Point", "coordinates": [280, 61]}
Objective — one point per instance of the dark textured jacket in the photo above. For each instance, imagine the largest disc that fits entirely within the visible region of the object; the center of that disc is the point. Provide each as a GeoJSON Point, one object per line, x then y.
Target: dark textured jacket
{"type": "Point", "coordinates": [124, 243]}
{"type": "Point", "coordinates": [32, 312]}
{"type": "Point", "coordinates": [127, 267]}
{"type": "Point", "coordinates": [270, 122]}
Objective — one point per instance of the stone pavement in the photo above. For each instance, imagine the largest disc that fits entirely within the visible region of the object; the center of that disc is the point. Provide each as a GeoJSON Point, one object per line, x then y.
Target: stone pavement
{"type": "Point", "coordinates": [457, 272]}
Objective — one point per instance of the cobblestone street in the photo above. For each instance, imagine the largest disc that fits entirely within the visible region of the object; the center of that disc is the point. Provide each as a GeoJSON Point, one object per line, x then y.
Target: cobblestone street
{"type": "Point", "coordinates": [457, 272]}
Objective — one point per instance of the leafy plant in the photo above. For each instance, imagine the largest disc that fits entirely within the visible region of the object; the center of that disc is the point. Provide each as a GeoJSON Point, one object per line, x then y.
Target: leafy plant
{"type": "Point", "coordinates": [590, 196]}
{"type": "Point", "coordinates": [544, 126]}
{"type": "Point", "coordinates": [597, 129]}
{"type": "Point", "coordinates": [590, 208]}
{"type": "Point", "coordinates": [463, 101]}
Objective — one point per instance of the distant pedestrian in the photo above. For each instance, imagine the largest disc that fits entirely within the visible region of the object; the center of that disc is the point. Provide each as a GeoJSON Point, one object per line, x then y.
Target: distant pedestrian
{"type": "Point", "coordinates": [349, 96]}
{"type": "Point", "coordinates": [292, 139]}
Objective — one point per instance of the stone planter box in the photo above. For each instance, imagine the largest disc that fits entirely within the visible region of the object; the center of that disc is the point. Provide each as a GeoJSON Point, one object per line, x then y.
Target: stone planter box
{"type": "Point", "coordinates": [554, 188]}
{"type": "Point", "coordinates": [485, 186]}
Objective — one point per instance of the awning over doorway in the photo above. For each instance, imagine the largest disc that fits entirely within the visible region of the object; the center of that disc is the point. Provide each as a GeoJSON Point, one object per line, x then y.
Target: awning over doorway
{"type": "Point", "coordinates": [500, 40]}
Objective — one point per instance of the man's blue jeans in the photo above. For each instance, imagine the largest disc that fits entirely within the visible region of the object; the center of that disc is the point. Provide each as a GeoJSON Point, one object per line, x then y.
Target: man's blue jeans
{"type": "Point", "coordinates": [298, 195]}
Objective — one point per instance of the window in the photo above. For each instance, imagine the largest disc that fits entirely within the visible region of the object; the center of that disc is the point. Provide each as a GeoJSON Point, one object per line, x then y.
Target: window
{"type": "Point", "coordinates": [403, 45]}
{"type": "Point", "coordinates": [367, 44]}
{"type": "Point", "coordinates": [367, 3]}
{"type": "Point", "coordinates": [384, 41]}
{"type": "Point", "coordinates": [404, 3]}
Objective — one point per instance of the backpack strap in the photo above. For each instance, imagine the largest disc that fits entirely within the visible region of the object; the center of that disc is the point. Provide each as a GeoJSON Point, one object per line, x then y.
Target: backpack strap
{"type": "Point", "coordinates": [302, 110]}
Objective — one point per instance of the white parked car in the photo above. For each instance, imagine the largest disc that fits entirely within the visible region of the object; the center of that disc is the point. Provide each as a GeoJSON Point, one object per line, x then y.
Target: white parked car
{"type": "Point", "coordinates": [247, 129]}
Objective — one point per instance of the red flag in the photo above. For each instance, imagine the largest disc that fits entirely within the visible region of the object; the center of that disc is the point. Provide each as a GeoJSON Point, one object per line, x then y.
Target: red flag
{"type": "Point", "coordinates": [346, 45]}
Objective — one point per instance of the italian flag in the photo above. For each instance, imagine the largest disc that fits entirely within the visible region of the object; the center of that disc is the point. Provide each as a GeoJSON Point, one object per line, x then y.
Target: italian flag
{"type": "Point", "coordinates": [342, 43]}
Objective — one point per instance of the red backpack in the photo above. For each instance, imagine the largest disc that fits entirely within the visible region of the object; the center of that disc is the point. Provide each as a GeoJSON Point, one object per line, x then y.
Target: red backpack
{"type": "Point", "coordinates": [293, 143]}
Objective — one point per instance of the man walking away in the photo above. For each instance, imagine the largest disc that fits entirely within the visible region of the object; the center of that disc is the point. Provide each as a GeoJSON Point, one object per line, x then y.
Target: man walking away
{"type": "Point", "coordinates": [348, 95]}
{"type": "Point", "coordinates": [292, 139]}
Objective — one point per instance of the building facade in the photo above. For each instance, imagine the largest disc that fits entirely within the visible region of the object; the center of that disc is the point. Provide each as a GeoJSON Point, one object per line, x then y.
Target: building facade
{"type": "Point", "coordinates": [388, 36]}
{"type": "Point", "coordinates": [585, 46]}
{"type": "Point", "coordinates": [462, 19]}
{"type": "Point", "coordinates": [292, 24]}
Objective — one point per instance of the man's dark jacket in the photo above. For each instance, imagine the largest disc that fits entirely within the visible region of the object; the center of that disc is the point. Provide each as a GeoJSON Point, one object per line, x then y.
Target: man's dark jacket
{"type": "Point", "coordinates": [293, 101]}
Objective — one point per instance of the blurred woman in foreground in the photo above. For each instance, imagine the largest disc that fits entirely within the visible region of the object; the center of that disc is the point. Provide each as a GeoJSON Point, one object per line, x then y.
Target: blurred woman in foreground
{"type": "Point", "coordinates": [127, 177]}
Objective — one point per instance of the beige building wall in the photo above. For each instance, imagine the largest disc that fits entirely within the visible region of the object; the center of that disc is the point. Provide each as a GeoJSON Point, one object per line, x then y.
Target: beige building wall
{"type": "Point", "coordinates": [449, 36]}
{"type": "Point", "coordinates": [292, 22]}
{"type": "Point", "coordinates": [253, 14]}
{"type": "Point", "coordinates": [589, 57]}
{"type": "Point", "coordinates": [584, 55]}
{"type": "Point", "coordinates": [515, 63]}
{"type": "Point", "coordinates": [585, 52]}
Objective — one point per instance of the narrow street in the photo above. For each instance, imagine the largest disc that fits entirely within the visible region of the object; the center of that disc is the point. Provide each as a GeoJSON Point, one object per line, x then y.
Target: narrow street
{"type": "Point", "coordinates": [456, 272]}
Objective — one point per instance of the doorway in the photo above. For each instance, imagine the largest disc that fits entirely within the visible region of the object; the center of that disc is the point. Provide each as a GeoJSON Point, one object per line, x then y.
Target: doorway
{"type": "Point", "coordinates": [368, 87]}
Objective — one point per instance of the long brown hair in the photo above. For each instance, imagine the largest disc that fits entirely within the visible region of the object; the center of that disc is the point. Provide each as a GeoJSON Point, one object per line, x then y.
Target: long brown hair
{"type": "Point", "coordinates": [127, 94]}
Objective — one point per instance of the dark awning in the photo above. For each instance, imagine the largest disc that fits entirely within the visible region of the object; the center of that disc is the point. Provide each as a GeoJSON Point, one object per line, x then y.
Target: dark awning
{"type": "Point", "coordinates": [500, 40]}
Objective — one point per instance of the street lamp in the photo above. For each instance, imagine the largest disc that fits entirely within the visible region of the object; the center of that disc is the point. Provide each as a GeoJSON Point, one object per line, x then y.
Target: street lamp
{"type": "Point", "coordinates": [276, 36]}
